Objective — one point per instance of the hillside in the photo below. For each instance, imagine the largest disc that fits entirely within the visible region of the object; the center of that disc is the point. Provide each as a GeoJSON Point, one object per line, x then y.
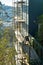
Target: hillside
{"type": "Point", "coordinates": [5, 12]}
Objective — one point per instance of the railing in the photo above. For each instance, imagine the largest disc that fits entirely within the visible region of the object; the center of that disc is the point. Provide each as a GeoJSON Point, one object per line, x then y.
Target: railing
{"type": "Point", "coordinates": [37, 47]}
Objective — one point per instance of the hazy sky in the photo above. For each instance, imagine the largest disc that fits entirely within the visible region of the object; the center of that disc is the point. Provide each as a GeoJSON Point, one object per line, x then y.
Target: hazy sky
{"type": "Point", "coordinates": [9, 2]}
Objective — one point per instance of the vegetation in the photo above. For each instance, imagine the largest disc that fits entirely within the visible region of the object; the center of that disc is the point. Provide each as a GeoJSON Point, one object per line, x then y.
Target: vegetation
{"type": "Point", "coordinates": [39, 33]}
{"type": "Point", "coordinates": [7, 52]}
{"type": "Point", "coordinates": [7, 39]}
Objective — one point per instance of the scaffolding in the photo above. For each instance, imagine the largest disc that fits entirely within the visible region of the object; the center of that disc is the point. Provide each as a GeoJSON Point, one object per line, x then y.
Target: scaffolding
{"type": "Point", "coordinates": [20, 19]}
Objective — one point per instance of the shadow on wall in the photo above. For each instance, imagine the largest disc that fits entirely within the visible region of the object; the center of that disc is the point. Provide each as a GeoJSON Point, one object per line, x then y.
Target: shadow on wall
{"type": "Point", "coordinates": [35, 9]}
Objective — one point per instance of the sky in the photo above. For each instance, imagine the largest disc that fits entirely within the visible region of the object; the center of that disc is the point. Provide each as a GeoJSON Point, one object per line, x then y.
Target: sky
{"type": "Point", "coordinates": [8, 2]}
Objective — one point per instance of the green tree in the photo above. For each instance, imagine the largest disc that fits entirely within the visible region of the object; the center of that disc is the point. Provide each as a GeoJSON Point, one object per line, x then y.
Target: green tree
{"type": "Point", "coordinates": [7, 53]}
